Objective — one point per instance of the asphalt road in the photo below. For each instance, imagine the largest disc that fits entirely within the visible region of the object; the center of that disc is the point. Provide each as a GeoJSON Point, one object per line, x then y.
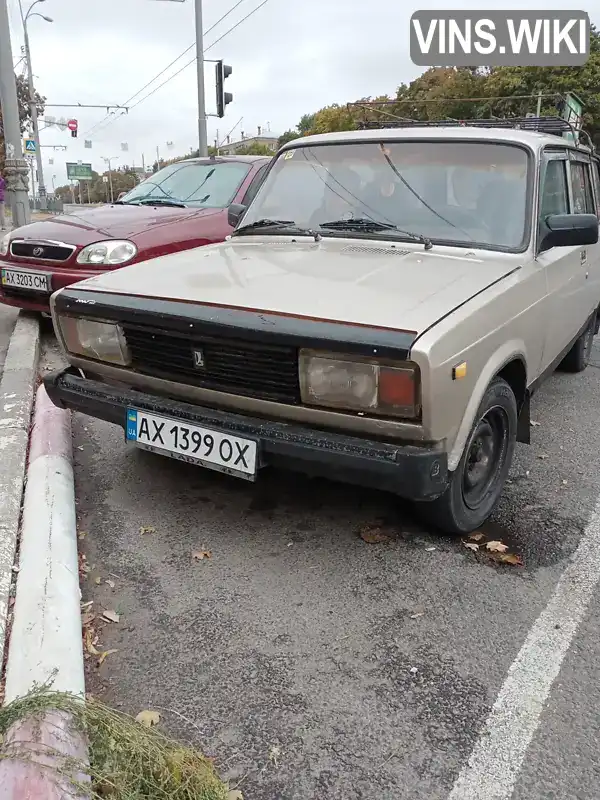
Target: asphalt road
{"type": "Point", "coordinates": [311, 664]}
{"type": "Point", "coordinates": [7, 322]}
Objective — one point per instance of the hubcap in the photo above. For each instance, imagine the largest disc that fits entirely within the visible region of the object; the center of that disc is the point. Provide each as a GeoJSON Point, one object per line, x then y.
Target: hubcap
{"type": "Point", "coordinates": [486, 454]}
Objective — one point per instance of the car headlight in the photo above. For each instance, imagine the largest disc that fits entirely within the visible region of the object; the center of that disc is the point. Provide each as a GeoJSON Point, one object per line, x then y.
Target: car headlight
{"type": "Point", "coordinates": [354, 384]}
{"type": "Point", "coordinates": [4, 243]}
{"type": "Point", "coordinates": [102, 341]}
{"type": "Point", "coordinates": [111, 253]}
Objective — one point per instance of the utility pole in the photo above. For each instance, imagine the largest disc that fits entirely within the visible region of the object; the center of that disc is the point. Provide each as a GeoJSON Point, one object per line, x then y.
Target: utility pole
{"type": "Point", "coordinates": [110, 183]}
{"type": "Point", "coordinates": [32, 105]}
{"type": "Point", "coordinates": [202, 135]}
{"type": "Point", "coordinates": [16, 168]}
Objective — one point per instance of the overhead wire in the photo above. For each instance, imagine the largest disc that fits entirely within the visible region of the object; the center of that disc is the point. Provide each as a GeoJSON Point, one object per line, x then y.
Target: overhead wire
{"type": "Point", "coordinates": [145, 86]}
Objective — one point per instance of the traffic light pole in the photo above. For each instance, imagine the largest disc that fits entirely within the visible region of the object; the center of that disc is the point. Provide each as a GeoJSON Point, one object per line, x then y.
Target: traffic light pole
{"type": "Point", "coordinates": [16, 168]}
{"type": "Point", "coordinates": [202, 135]}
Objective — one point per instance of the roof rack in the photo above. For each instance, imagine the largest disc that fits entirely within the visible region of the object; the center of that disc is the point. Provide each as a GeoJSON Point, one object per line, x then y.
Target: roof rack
{"type": "Point", "coordinates": [386, 116]}
{"type": "Point", "coordinates": [550, 125]}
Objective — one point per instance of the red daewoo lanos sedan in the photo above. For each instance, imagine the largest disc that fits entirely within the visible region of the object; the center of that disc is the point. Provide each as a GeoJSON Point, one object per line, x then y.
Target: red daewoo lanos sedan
{"type": "Point", "coordinates": [183, 205]}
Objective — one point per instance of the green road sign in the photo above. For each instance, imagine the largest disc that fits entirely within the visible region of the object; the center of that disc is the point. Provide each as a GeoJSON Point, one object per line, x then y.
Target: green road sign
{"type": "Point", "coordinates": [79, 172]}
{"type": "Point", "coordinates": [29, 145]}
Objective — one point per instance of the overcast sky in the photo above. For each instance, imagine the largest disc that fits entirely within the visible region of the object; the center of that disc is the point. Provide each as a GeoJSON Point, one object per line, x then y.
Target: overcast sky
{"type": "Point", "coordinates": [288, 59]}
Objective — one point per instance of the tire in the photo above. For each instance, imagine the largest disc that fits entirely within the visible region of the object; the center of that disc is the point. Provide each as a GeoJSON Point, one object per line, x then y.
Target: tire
{"type": "Point", "coordinates": [579, 355]}
{"type": "Point", "coordinates": [475, 485]}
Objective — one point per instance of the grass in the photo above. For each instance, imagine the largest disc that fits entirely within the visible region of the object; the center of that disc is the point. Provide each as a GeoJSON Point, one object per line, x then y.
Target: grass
{"type": "Point", "coordinates": [128, 761]}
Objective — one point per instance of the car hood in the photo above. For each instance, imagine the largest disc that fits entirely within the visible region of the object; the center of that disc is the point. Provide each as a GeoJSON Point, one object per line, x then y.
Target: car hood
{"type": "Point", "coordinates": [363, 282]}
{"type": "Point", "coordinates": [109, 222]}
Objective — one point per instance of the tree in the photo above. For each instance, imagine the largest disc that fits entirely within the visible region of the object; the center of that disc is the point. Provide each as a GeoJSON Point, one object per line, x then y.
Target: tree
{"type": "Point", "coordinates": [286, 137]}
{"type": "Point", "coordinates": [24, 111]}
{"type": "Point", "coordinates": [254, 149]}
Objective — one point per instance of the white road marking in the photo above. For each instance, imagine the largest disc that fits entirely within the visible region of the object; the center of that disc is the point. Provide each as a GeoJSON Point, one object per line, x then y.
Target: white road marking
{"type": "Point", "coordinates": [497, 757]}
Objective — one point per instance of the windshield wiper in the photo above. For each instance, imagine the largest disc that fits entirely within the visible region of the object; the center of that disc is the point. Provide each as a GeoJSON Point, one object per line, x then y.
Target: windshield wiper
{"type": "Point", "coordinates": [276, 224]}
{"type": "Point", "coordinates": [366, 225]}
{"type": "Point", "coordinates": [161, 201]}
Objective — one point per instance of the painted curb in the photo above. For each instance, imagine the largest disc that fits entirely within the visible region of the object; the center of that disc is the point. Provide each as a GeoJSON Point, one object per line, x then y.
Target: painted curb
{"type": "Point", "coordinates": [17, 386]}
{"type": "Point", "coordinates": [45, 642]}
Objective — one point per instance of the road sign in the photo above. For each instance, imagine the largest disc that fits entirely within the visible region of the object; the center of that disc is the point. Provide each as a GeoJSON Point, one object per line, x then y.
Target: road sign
{"type": "Point", "coordinates": [72, 124]}
{"type": "Point", "coordinates": [105, 179]}
{"type": "Point", "coordinates": [79, 172]}
{"type": "Point", "coordinates": [29, 146]}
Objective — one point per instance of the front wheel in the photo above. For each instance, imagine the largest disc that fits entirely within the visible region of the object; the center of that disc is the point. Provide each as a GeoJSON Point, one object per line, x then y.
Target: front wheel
{"type": "Point", "coordinates": [477, 482]}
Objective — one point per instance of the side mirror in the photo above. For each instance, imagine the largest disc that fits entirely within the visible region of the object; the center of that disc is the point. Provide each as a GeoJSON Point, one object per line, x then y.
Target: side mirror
{"type": "Point", "coordinates": [234, 213]}
{"type": "Point", "coordinates": [571, 230]}
{"type": "Point", "coordinates": [121, 195]}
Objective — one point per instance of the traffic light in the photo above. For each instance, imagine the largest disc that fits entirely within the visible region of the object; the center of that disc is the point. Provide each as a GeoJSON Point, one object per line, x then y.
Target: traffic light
{"type": "Point", "coordinates": [222, 72]}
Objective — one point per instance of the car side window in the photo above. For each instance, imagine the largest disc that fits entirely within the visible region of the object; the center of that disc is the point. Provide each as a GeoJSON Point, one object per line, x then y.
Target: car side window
{"type": "Point", "coordinates": [581, 187]}
{"type": "Point", "coordinates": [254, 186]}
{"type": "Point", "coordinates": [555, 194]}
{"type": "Point", "coordinates": [554, 197]}
{"type": "Point", "coordinates": [595, 165]}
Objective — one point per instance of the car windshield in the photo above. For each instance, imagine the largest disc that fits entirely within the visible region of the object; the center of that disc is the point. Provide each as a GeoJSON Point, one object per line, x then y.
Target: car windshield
{"type": "Point", "coordinates": [466, 193]}
{"type": "Point", "coordinates": [191, 183]}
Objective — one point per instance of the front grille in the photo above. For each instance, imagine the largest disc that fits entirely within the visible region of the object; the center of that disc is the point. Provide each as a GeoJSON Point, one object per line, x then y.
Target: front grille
{"type": "Point", "coordinates": [49, 252]}
{"type": "Point", "coordinates": [267, 372]}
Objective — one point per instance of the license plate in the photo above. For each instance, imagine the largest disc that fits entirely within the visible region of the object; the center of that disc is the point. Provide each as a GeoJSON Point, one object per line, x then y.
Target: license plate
{"type": "Point", "coordinates": [24, 279]}
{"type": "Point", "coordinates": [192, 443]}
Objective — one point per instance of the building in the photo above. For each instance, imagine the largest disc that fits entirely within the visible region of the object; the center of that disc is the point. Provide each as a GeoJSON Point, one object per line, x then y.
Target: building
{"type": "Point", "coordinates": [229, 148]}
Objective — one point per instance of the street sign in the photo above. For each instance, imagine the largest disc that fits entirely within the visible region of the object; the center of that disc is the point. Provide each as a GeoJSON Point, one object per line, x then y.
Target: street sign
{"type": "Point", "coordinates": [72, 124]}
{"type": "Point", "coordinates": [105, 179]}
{"type": "Point", "coordinates": [29, 146]}
{"type": "Point", "coordinates": [79, 172]}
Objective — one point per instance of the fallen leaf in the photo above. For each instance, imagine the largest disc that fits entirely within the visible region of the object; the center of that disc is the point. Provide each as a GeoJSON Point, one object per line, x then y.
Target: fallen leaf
{"type": "Point", "coordinates": [413, 670]}
{"type": "Point", "coordinates": [542, 456]}
{"type": "Point", "coordinates": [472, 546]}
{"type": "Point", "coordinates": [87, 618]}
{"type": "Point", "coordinates": [417, 614]}
{"type": "Point", "coordinates": [510, 558]}
{"type": "Point", "coordinates": [82, 534]}
{"type": "Point", "coordinates": [89, 646]}
{"type": "Point", "coordinates": [497, 547]}
{"type": "Point", "coordinates": [98, 581]}
{"type": "Point", "coordinates": [110, 616]}
{"type": "Point", "coordinates": [104, 655]}
{"type": "Point", "coordinates": [234, 794]}
{"type": "Point", "coordinates": [274, 754]}
{"type": "Point", "coordinates": [477, 536]}
{"type": "Point", "coordinates": [87, 605]}
{"type": "Point", "coordinates": [148, 718]}
{"type": "Point", "coordinates": [565, 483]}
{"type": "Point", "coordinates": [534, 424]}
{"type": "Point", "coordinates": [373, 535]}
{"type": "Point", "coordinates": [199, 555]}
{"type": "Point", "coordinates": [147, 529]}
{"type": "Point", "coordinates": [430, 549]}
{"type": "Point", "coordinates": [110, 583]}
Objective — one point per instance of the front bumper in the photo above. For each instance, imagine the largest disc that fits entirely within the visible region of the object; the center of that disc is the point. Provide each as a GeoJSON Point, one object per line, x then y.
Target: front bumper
{"type": "Point", "coordinates": [416, 473]}
{"type": "Point", "coordinates": [29, 300]}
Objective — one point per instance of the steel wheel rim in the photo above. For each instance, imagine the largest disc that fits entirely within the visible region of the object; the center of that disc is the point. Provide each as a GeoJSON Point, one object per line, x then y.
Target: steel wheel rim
{"type": "Point", "coordinates": [486, 454]}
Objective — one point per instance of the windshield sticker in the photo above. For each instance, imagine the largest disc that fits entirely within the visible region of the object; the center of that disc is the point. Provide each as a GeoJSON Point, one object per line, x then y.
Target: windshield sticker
{"type": "Point", "coordinates": [288, 154]}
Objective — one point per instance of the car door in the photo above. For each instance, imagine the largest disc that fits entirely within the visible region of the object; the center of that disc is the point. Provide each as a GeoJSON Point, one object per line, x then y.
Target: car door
{"type": "Point", "coordinates": [586, 201]}
{"type": "Point", "coordinates": [565, 278]}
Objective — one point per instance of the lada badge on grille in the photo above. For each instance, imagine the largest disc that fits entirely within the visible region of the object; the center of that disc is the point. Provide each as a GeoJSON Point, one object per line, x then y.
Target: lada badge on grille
{"type": "Point", "coordinates": [198, 358]}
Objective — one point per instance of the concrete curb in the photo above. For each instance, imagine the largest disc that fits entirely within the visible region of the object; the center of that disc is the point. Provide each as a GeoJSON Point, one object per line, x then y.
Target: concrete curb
{"type": "Point", "coordinates": [16, 399]}
{"type": "Point", "coordinates": [45, 642]}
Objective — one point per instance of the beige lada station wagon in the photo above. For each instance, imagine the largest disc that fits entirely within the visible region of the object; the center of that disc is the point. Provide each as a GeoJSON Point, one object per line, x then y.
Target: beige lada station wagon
{"type": "Point", "coordinates": [382, 314]}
